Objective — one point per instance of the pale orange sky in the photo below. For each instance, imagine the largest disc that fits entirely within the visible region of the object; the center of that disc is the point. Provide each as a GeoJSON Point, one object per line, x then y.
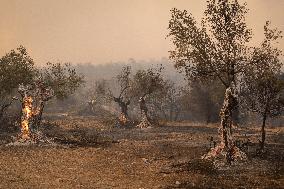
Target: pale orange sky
{"type": "Point", "coordinates": [101, 31]}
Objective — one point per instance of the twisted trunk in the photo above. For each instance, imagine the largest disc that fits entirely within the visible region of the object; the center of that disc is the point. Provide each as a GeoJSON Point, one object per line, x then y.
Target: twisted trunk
{"type": "Point", "coordinates": [145, 121]}
{"type": "Point", "coordinates": [226, 123]}
{"type": "Point", "coordinates": [26, 118]}
{"type": "Point", "coordinates": [33, 99]}
{"type": "Point", "coordinates": [38, 116]}
{"type": "Point", "coordinates": [226, 146]}
{"type": "Point", "coordinates": [123, 118]}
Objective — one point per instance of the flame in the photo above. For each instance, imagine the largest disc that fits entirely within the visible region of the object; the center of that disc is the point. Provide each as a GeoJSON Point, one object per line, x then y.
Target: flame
{"type": "Point", "coordinates": [26, 117]}
{"type": "Point", "coordinates": [122, 119]}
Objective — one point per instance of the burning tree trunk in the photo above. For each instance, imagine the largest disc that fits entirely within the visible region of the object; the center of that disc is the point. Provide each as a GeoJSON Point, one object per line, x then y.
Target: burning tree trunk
{"type": "Point", "coordinates": [123, 117]}
{"type": "Point", "coordinates": [226, 148]}
{"type": "Point", "coordinates": [33, 99]}
{"type": "Point", "coordinates": [145, 122]}
{"type": "Point", "coordinates": [26, 119]}
{"type": "Point", "coordinates": [27, 112]}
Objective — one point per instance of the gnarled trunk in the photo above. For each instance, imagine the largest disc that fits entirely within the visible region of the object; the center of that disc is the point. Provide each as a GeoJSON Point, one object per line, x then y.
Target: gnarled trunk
{"type": "Point", "coordinates": [38, 116]}
{"type": "Point", "coordinates": [27, 116]}
{"type": "Point", "coordinates": [145, 122]}
{"type": "Point", "coordinates": [33, 99]}
{"type": "Point", "coordinates": [226, 147]}
{"type": "Point", "coordinates": [226, 124]}
{"type": "Point", "coordinates": [123, 118]}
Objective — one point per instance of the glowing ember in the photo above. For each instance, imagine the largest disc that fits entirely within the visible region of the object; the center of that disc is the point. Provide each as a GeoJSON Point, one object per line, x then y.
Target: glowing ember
{"type": "Point", "coordinates": [122, 119]}
{"type": "Point", "coordinates": [26, 117]}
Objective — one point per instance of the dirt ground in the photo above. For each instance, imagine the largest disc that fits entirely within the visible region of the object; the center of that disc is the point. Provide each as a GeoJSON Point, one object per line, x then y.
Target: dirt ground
{"type": "Point", "coordinates": [88, 154]}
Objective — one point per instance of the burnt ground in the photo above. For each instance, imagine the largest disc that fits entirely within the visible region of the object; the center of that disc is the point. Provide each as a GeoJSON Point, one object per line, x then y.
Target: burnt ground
{"type": "Point", "coordinates": [88, 154]}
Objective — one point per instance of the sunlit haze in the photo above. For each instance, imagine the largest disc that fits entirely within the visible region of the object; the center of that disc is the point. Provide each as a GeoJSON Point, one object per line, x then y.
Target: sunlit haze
{"type": "Point", "coordinates": [101, 31]}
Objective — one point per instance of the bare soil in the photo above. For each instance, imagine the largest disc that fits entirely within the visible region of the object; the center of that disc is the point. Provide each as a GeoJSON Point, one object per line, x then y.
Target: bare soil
{"type": "Point", "coordinates": [89, 154]}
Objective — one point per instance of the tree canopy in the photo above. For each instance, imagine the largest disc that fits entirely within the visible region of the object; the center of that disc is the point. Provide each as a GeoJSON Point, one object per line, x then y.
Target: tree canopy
{"type": "Point", "coordinates": [217, 47]}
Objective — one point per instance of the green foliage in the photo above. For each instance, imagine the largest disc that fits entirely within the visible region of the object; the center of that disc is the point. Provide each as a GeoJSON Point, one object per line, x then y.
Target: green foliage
{"type": "Point", "coordinates": [166, 101]}
{"type": "Point", "coordinates": [62, 78]}
{"type": "Point", "coordinates": [216, 48]}
{"type": "Point", "coordinates": [16, 67]}
{"type": "Point", "coordinates": [147, 82]}
{"type": "Point", "coordinates": [262, 85]}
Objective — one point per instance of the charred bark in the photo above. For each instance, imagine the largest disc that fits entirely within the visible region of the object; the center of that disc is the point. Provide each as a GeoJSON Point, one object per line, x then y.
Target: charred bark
{"type": "Point", "coordinates": [33, 100]}
{"type": "Point", "coordinates": [123, 105]}
{"type": "Point", "coordinates": [27, 113]}
{"type": "Point", "coordinates": [145, 121]}
{"type": "Point", "coordinates": [43, 94]}
{"type": "Point", "coordinates": [38, 116]}
{"type": "Point", "coordinates": [227, 146]}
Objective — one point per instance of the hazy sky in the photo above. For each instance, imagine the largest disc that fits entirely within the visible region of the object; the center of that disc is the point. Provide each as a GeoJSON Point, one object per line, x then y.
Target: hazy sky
{"type": "Point", "coordinates": [101, 31]}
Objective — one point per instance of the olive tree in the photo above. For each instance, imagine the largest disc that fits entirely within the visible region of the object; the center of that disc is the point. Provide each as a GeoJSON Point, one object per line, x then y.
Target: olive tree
{"type": "Point", "coordinates": [55, 80]}
{"type": "Point", "coordinates": [98, 95]}
{"type": "Point", "coordinates": [145, 84]}
{"type": "Point", "coordinates": [16, 67]}
{"type": "Point", "coordinates": [123, 79]}
{"type": "Point", "coordinates": [262, 85]}
{"type": "Point", "coordinates": [215, 49]}
{"type": "Point", "coordinates": [166, 101]}
{"type": "Point", "coordinates": [61, 78]}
